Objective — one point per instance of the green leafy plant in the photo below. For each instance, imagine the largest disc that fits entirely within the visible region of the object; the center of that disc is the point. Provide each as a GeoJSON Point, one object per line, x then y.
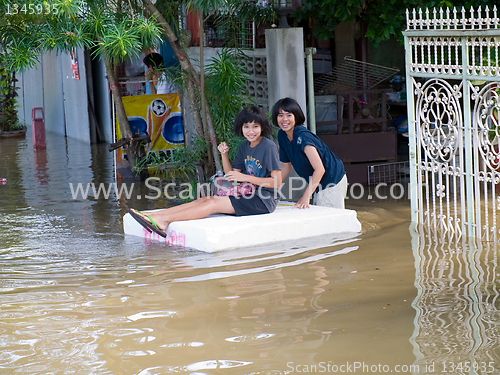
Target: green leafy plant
{"type": "Point", "coordinates": [8, 103]}
{"type": "Point", "coordinates": [226, 94]}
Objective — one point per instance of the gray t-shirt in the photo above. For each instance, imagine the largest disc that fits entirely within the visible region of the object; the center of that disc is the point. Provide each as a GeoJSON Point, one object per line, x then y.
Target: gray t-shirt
{"type": "Point", "coordinates": [259, 161]}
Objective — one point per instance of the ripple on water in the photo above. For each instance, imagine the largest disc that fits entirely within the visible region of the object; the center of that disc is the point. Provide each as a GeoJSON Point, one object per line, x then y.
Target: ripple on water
{"type": "Point", "coordinates": [251, 338]}
{"type": "Point", "coordinates": [154, 314]}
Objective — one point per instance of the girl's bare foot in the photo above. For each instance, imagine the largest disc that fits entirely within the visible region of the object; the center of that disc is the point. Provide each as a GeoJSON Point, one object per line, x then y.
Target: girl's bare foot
{"type": "Point", "coordinates": [150, 221]}
{"type": "Point", "coordinates": [157, 217]}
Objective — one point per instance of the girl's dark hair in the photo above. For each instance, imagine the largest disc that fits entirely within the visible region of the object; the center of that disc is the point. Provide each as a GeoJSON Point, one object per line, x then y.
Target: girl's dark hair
{"type": "Point", "coordinates": [154, 60]}
{"type": "Point", "coordinates": [250, 114]}
{"type": "Point", "coordinates": [288, 105]}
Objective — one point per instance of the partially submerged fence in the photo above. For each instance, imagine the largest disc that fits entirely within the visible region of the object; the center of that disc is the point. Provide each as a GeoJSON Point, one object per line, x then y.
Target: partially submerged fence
{"type": "Point", "coordinates": [453, 76]}
{"type": "Point", "coordinates": [456, 304]}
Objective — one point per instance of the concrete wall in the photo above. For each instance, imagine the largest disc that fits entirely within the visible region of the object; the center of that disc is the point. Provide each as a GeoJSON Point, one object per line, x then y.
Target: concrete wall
{"type": "Point", "coordinates": [53, 99]}
{"type": "Point", "coordinates": [286, 72]}
{"type": "Point", "coordinates": [64, 100]}
{"type": "Point", "coordinates": [286, 77]}
{"type": "Point", "coordinates": [30, 93]}
{"type": "Point", "coordinates": [208, 53]}
{"type": "Point", "coordinates": [76, 112]}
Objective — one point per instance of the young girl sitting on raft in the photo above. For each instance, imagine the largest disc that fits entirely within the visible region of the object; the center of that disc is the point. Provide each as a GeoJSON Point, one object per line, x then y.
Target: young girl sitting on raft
{"type": "Point", "coordinates": [309, 156]}
{"type": "Point", "coordinates": [256, 162]}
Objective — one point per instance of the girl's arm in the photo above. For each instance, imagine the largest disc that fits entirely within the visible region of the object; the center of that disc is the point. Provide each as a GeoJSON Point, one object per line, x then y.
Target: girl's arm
{"type": "Point", "coordinates": [319, 171]}
{"type": "Point", "coordinates": [224, 152]}
{"type": "Point", "coordinates": [150, 78]}
{"type": "Point", "coordinates": [152, 87]}
{"type": "Point", "coordinates": [285, 169]}
{"type": "Point", "coordinates": [270, 182]}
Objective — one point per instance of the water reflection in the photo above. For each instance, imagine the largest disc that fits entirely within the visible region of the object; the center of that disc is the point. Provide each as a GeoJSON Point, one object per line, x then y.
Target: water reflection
{"type": "Point", "coordinates": [40, 161]}
{"type": "Point", "coordinates": [457, 307]}
{"type": "Point", "coordinates": [76, 295]}
{"type": "Point", "coordinates": [79, 296]}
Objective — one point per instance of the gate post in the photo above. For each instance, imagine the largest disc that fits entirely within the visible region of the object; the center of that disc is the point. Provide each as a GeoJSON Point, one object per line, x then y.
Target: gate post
{"type": "Point", "coordinates": [410, 107]}
{"type": "Point", "coordinates": [469, 181]}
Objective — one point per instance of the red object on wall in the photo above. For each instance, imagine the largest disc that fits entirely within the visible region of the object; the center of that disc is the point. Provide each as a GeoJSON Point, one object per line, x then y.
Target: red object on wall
{"type": "Point", "coordinates": [38, 129]}
{"type": "Point", "coordinates": [193, 24]}
{"type": "Point", "coordinates": [74, 64]}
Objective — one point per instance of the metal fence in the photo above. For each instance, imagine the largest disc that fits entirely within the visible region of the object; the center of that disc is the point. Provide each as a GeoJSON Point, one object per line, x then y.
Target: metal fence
{"type": "Point", "coordinates": [389, 173]}
{"type": "Point", "coordinates": [452, 75]}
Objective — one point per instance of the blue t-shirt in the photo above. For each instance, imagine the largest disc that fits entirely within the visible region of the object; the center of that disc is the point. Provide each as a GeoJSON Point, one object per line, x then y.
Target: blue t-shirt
{"type": "Point", "coordinates": [259, 161]}
{"type": "Point", "coordinates": [293, 152]}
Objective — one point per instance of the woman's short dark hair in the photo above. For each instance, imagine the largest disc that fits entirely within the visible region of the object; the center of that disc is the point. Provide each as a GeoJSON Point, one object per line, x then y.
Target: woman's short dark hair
{"type": "Point", "coordinates": [288, 105]}
{"type": "Point", "coordinates": [250, 114]}
{"type": "Point", "coordinates": [154, 60]}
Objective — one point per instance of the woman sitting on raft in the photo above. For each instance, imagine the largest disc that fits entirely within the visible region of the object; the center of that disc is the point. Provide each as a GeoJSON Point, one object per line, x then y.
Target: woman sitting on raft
{"type": "Point", "coordinates": [256, 162]}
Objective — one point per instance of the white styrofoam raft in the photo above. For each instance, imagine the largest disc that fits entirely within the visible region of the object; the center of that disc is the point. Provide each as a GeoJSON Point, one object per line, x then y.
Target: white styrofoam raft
{"type": "Point", "coordinates": [225, 232]}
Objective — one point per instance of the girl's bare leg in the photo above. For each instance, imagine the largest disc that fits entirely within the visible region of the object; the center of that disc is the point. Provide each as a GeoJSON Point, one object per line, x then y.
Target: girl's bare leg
{"type": "Point", "coordinates": [191, 211]}
{"type": "Point", "coordinates": [177, 208]}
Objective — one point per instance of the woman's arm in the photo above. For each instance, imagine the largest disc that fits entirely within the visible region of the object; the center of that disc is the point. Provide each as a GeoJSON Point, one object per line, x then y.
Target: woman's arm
{"type": "Point", "coordinates": [285, 169]}
{"type": "Point", "coordinates": [273, 182]}
{"type": "Point", "coordinates": [319, 171]}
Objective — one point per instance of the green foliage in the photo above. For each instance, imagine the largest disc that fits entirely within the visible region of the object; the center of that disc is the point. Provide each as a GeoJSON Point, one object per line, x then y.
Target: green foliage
{"type": "Point", "coordinates": [171, 11]}
{"type": "Point", "coordinates": [74, 23]}
{"type": "Point", "coordinates": [229, 23]}
{"type": "Point", "coordinates": [97, 19]}
{"type": "Point", "coordinates": [8, 102]}
{"type": "Point", "coordinates": [225, 90]}
{"type": "Point", "coordinates": [383, 18]}
{"type": "Point", "coordinates": [149, 32]}
{"type": "Point", "coordinates": [119, 42]}
{"type": "Point", "coordinates": [69, 9]}
{"type": "Point", "coordinates": [180, 164]}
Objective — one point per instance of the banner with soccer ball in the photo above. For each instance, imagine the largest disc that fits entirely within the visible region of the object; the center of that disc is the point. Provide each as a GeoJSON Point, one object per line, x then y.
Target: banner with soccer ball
{"type": "Point", "coordinates": [158, 116]}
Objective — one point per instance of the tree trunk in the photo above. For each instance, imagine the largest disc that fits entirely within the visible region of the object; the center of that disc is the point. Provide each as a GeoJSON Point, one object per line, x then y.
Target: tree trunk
{"type": "Point", "coordinates": [203, 99]}
{"type": "Point", "coordinates": [130, 147]}
{"type": "Point", "coordinates": [186, 65]}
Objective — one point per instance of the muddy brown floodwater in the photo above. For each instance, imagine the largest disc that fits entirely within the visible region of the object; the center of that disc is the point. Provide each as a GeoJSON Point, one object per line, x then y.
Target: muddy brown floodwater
{"type": "Point", "coordinates": [79, 297]}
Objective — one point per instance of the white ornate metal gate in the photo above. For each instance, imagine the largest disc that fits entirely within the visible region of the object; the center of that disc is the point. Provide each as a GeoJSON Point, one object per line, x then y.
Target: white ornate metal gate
{"type": "Point", "coordinates": [453, 85]}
